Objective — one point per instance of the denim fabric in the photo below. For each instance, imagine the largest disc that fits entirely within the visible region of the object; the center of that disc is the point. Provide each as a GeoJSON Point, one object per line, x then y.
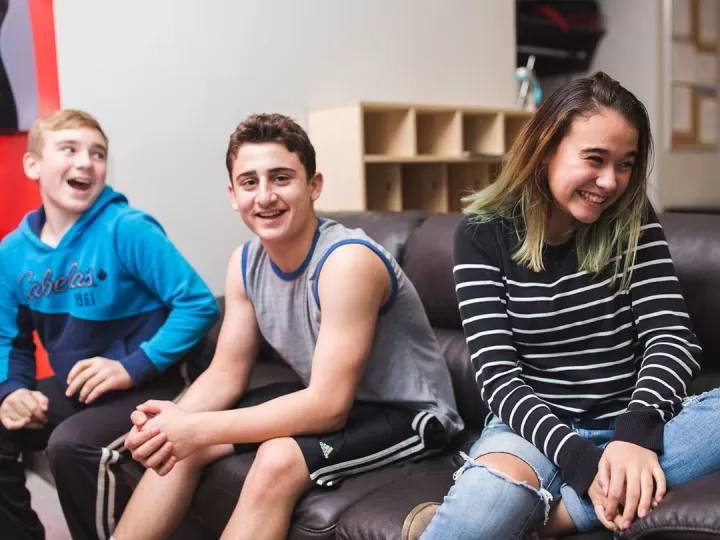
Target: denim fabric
{"type": "Point", "coordinates": [486, 504]}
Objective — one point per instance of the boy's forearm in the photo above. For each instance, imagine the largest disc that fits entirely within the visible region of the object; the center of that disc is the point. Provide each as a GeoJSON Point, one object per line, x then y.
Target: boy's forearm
{"type": "Point", "coordinates": [298, 413]}
{"type": "Point", "coordinates": [213, 391]}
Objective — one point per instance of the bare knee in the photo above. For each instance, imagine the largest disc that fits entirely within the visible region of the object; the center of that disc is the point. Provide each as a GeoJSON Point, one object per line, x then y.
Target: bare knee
{"type": "Point", "coordinates": [511, 466]}
{"type": "Point", "coordinates": [278, 466]}
{"type": "Point", "coordinates": [280, 458]}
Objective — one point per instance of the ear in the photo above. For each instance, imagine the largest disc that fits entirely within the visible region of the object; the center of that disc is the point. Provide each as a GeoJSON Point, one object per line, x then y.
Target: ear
{"type": "Point", "coordinates": [233, 202]}
{"type": "Point", "coordinates": [31, 165]}
{"type": "Point", "coordinates": [316, 185]}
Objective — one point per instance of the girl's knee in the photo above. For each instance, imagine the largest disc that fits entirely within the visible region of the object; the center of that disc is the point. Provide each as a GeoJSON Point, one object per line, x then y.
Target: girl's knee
{"type": "Point", "coordinates": [480, 485]}
{"type": "Point", "coordinates": [485, 503]}
{"type": "Point", "coordinates": [512, 467]}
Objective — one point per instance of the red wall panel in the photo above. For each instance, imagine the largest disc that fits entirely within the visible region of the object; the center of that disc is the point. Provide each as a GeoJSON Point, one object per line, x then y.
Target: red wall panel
{"type": "Point", "coordinates": [18, 195]}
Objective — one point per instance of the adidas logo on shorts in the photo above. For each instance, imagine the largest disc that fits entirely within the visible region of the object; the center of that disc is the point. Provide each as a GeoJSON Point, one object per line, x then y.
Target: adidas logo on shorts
{"type": "Point", "coordinates": [326, 449]}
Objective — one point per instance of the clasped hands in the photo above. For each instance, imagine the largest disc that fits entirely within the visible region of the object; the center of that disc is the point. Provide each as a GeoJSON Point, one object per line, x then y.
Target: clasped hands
{"type": "Point", "coordinates": [162, 434]}
{"type": "Point", "coordinates": [629, 476]}
{"type": "Point", "coordinates": [88, 379]}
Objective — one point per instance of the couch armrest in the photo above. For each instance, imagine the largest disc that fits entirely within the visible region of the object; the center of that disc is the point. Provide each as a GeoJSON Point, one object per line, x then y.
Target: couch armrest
{"type": "Point", "coordinates": [690, 511]}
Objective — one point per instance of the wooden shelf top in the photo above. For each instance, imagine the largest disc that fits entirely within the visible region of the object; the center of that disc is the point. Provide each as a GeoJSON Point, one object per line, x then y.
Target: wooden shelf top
{"type": "Point", "coordinates": [380, 106]}
{"type": "Point", "coordinates": [370, 158]}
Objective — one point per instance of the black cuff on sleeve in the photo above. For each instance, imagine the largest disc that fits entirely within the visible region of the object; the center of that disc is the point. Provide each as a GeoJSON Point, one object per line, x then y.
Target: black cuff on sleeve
{"type": "Point", "coordinates": [644, 428]}
{"type": "Point", "coordinates": [581, 465]}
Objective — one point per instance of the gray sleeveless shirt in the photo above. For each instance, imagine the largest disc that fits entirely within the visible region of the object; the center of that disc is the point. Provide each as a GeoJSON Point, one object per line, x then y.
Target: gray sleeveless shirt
{"type": "Point", "coordinates": [405, 367]}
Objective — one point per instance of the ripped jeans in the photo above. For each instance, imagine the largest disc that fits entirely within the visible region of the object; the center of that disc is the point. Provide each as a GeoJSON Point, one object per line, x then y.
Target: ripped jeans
{"type": "Point", "coordinates": [486, 504]}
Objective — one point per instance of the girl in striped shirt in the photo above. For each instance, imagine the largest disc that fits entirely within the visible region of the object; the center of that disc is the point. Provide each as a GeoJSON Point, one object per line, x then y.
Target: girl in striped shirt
{"type": "Point", "coordinates": [578, 332]}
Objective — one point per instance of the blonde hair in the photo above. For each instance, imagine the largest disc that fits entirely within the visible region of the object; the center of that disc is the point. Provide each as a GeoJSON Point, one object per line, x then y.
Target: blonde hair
{"type": "Point", "coordinates": [521, 193]}
{"type": "Point", "coordinates": [59, 120]}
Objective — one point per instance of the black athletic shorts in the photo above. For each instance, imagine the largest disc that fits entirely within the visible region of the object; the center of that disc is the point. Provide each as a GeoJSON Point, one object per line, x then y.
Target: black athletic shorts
{"type": "Point", "coordinates": [375, 435]}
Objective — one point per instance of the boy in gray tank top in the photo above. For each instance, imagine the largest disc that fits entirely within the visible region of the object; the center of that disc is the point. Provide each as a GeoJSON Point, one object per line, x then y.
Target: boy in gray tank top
{"type": "Point", "coordinates": [374, 389]}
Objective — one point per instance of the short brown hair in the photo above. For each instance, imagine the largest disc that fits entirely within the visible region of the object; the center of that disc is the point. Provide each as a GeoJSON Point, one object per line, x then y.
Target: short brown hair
{"type": "Point", "coordinates": [267, 128]}
{"type": "Point", "coordinates": [59, 120]}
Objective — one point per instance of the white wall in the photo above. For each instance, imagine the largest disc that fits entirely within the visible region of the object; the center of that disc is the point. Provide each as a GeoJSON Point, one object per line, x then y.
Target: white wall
{"type": "Point", "coordinates": [689, 177]}
{"type": "Point", "coordinates": [634, 52]}
{"type": "Point", "coordinates": [629, 53]}
{"type": "Point", "coordinates": [170, 79]}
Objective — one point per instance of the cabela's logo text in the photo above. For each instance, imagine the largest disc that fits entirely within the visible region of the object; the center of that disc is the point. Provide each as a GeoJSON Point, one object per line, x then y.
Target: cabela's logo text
{"type": "Point", "coordinates": [74, 279]}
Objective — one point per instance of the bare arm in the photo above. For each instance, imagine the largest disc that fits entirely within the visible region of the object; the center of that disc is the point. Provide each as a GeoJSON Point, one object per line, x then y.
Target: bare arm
{"type": "Point", "coordinates": [353, 286]}
{"type": "Point", "coordinates": [220, 386]}
{"type": "Point", "coordinates": [224, 382]}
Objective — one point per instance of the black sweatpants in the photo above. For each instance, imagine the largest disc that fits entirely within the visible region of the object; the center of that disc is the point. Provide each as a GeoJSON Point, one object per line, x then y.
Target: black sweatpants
{"type": "Point", "coordinates": [83, 444]}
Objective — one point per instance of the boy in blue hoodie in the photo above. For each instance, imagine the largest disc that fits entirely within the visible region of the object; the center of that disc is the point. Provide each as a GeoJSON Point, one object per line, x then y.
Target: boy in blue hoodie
{"type": "Point", "coordinates": [114, 304]}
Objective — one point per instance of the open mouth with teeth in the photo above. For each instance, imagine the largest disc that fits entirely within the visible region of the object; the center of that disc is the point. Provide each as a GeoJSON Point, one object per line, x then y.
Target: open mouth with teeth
{"type": "Point", "coordinates": [592, 198]}
{"type": "Point", "coordinates": [270, 215]}
{"type": "Point", "coordinates": [79, 183]}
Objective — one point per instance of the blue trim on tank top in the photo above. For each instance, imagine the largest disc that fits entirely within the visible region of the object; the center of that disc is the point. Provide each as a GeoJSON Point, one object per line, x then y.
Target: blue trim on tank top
{"type": "Point", "coordinates": [393, 278]}
{"type": "Point", "coordinates": [290, 276]}
{"type": "Point", "coordinates": [243, 258]}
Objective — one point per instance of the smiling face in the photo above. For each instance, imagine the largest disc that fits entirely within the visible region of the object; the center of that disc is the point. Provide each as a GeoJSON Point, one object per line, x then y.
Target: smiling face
{"type": "Point", "coordinates": [272, 193]}
{"type": "Point", "coordinates": [590, 169]}
{"type": "Point", "coordinates": [70, 170]}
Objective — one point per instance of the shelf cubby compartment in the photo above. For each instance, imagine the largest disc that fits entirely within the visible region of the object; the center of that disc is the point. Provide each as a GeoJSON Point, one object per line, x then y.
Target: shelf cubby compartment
{"type": "Point", "coordinates": [465, 179]}
{"type": "Point", "coordinates": [404, 156]}
{"type": "Point", "coordinates": [389, 132]}
{"type": "Point", "coordinates": [514, 123]}
{"type": "Point", "coordinates": [424, 187]}
{"type": "Point", "coordinates": [439, 133]}
{"type": "Point", "coordinates": [383, 186]}
{"type": "Point", "coordinates": [483, 134]}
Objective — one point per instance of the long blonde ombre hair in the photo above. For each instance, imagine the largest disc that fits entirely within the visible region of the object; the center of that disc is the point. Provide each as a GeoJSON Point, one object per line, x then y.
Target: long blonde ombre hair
{"type": "Point", "coordinates": [521, 193]}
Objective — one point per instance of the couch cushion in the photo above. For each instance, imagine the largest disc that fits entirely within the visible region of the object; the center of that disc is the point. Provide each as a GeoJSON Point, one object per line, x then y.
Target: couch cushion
{"type": "Point", "coordinates": [382, 516]}
{"type": "Point", "coordinates": [389, 229]}
{"type": "Point", "coordinates": [467, 395]}
{"type": "Point", "coordinates": [316, 514]}
{"type": "Point", "coordinates": [428, 263]}
{"type": "Point", "coordinates": [694, 241]}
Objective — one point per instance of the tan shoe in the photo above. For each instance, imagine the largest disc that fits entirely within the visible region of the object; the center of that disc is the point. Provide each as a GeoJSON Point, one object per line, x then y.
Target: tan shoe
{"type": "Point", "coordinates": [418, 519]}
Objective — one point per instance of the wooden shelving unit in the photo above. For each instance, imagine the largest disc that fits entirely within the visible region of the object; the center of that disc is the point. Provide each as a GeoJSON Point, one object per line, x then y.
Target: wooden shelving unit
{"type": "Point", "coordinates": [389, 156]}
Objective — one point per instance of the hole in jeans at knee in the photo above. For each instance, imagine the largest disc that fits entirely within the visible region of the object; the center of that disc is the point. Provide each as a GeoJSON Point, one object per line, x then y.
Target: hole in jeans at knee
{"type": "Point", "coordinates": [541, 492]}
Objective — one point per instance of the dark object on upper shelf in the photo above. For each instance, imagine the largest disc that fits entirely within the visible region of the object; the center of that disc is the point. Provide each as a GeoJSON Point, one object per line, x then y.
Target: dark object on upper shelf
{"type": "Point", "coordinates": [8, 110]}
{"type": "Point", "coordinates": [563, 36]}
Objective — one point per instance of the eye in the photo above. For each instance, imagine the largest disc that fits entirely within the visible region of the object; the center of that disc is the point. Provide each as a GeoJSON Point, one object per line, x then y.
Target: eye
{"type": "Point", "coordinates": [596, 160]}
{"type": "Point", "coordinates": [99, 155]}
{"type": "Point", "coordinates": [248, 183]}
{"type": "Point", "coordinates": [67, 149]}
{"type": "Point", "coordinates": [627, 165]}
{"type": "Point", "coordinates": [281, 178]}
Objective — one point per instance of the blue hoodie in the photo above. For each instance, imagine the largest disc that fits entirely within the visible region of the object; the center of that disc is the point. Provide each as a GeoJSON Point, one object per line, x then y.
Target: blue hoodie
{"type": "Point", "coordinates": [114, 287]}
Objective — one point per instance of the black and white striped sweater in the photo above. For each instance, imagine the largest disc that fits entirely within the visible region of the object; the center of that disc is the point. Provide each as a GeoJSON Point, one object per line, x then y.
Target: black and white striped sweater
{"type": "Point", "coordinates": [560, 345]}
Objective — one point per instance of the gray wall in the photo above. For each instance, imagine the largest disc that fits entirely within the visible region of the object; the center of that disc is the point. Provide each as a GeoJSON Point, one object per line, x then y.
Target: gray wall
{"type": "Point", "coordinates": [170, 79]}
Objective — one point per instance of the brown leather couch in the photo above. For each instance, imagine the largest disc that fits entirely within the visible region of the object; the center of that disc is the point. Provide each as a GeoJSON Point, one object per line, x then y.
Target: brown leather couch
{"type": "Point", "coordinates": [373, 506]}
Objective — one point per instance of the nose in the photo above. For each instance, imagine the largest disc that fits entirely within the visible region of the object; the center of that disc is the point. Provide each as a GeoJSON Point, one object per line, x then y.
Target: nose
{"type": "Point", "coordinates": [83, 160]}
{"type": "Point", "coordinates": [607, 180]}
{"type": "Point", "coordinates": [265, 194]}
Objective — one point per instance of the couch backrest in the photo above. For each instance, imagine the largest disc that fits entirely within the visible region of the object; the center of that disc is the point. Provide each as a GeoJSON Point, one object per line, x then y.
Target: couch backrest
{"type": "Point", "coordinates": [694, 241]}
{"type": "Point", "coordinates": [423, 246]}
{"type": "Point", "coordinates": [389, 229]}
